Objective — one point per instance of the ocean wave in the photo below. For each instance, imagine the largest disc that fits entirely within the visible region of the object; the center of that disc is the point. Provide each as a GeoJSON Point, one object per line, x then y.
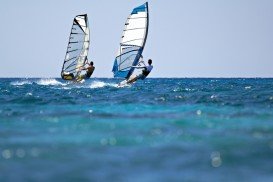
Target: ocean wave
{"type": "Point", "coordinates": [49, 81]}
{"type": "Point", "coordinates": [100, 84]}
{"type": "Point", "coordinates": [43, 81]}
{"type": "Point", "coordinates": [20, 83]}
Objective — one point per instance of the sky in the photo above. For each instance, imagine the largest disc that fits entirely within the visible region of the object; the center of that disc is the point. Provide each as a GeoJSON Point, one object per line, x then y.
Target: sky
{"type": "Point", "coordinates": [187, 38]}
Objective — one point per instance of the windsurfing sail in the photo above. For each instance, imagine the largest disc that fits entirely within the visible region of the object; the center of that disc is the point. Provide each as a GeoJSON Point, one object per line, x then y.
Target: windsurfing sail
{"type": "Point", "coordinates": [77, 49]}
{"type": "Point", "coordinates": [132, 42]}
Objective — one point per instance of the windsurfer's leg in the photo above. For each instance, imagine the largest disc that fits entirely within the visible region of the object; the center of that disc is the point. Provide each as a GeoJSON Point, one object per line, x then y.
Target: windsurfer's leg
{"type": "Point", "coordinates": [133, 80]}
{"type": "Point", "coordinates": [79, 78]}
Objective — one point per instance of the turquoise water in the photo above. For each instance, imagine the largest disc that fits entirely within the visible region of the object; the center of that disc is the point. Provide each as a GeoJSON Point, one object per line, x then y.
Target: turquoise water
{"type": "Point", "coordinates": [156, 130]}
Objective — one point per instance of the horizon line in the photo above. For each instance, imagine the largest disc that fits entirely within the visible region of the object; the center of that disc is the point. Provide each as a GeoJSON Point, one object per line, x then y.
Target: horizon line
{"type": "Point", "coordinates": [147, 78]}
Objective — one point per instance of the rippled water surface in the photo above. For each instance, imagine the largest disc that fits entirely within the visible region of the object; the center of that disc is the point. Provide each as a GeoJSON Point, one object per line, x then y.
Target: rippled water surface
{"type": "Point", "coordinates": [156, 130]}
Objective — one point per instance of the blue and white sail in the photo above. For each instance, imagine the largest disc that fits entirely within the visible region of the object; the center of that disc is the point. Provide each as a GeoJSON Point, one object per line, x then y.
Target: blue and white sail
{"type": "Point", "coordinates": [77, 49]}
{"type": "Point", "coordinates": [132, 42]}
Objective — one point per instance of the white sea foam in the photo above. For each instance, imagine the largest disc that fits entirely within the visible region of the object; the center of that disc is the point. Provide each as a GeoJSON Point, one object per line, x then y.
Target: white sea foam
{"type": "Point", "coordinates": [44, 81]}
{"type": "Point", "coordinates": [123, 85]}
{"type": "Point", "coordinates": [29, 94]}
{"type": "Point", "coordinates": [50, 81]}
{"type": "Point", "coordinates": [20, 83]}
{"type": "Point", "coordinates": [100, 84]}
{"type": "Point", "coordinates": [66, 88]}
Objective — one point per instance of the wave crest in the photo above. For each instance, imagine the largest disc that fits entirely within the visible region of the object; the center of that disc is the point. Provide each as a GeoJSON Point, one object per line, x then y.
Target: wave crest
{"type": "Point", "coordinates": [100, 84]}
{"type": "Point", "coordinates": [20, 83]}
{"type": "Point", "coordinates": [49, 81]}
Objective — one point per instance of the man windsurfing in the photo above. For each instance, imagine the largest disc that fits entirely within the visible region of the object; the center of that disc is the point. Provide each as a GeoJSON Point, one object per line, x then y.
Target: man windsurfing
{"type": "Point", "coordinates": [89, 67]}
{"type": "Point", "coordinates": [145, 72]}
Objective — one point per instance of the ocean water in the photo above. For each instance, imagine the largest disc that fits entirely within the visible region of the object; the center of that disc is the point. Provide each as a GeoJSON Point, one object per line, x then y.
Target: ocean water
{"type": "Point", "coordinates": [155, 130]}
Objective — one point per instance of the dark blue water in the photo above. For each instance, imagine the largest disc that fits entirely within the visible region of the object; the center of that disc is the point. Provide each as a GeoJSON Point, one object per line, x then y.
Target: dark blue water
{"type": "Point", "coordinates": [156, 130]}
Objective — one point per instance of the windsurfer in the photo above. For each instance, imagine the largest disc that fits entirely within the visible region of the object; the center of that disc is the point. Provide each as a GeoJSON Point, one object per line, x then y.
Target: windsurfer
{"type": "Point", "coordinates": [89, 70]}
{"type": "Point", "coordinates": [145, 72]}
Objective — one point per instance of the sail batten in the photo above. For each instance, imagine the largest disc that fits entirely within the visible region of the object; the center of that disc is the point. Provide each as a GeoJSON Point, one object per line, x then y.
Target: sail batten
{"type": "Point", "coordinates": [132, 42]}
{"type": "Point", "coordinates": [78, 47]}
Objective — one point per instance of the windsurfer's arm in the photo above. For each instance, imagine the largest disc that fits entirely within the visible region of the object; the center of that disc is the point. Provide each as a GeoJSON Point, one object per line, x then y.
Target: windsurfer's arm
{"type": "Point", "coordinates": [85, 64]}
{"type": "Point", "coordinates": [83, 68]}
{"type": "Point", "coordinates": [138, 67]}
